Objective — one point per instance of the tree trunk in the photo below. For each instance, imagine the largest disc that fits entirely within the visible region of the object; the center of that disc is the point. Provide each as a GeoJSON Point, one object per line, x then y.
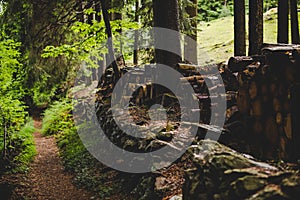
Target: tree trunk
{"type": "Point", "coordinates": [98, 10]}
{"type": "Point", "coordinates": [136, 35]}
{"type": "Point", "coordinates": [255, 26]}
{"type": "Point", "coordinates": [117, 5]}
{"type": "Point", "coordinates": [101, 62]}
{"type": "Point", "coordinates": [166, 16]}
{"type": "Point", "coordinates": [111, 51]}
{"type": "Point", "coordinates": [283, 27]}
{"type": "Point", "coordinates": [190, 46]}
{"type": "Point", "coordinates": [239, 28]}
{"type": "Point", "coordinates": [294, 22]}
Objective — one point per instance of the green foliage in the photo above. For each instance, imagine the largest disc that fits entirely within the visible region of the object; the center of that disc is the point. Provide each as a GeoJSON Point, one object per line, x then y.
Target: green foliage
{"type": "Point", "coordinates": [12, 109]}
{"type": "Point", "coordinates": [21, 150]}
{"type": "Point", "coordinates": [214, 9]}
{"type": "Point", "coordinates": [268, 4]}
{"type": "Point", "coordinates": [87, 41]}
{"type": "Point", "coordinates": [57, 118]}
{"type": "Point", "coordinates": [24, 141]}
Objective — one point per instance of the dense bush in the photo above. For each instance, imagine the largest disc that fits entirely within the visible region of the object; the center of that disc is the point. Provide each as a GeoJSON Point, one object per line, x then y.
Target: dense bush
{"type": "Point", "coordinates": [16, 143]}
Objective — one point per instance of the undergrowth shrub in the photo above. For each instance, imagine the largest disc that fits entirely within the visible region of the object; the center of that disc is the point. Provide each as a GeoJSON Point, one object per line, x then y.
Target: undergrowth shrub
{"type": "Point", "coordinates": [21, 150]}
{"type": "Point", "coordinates": [57, 118]}
{"type": "Point", "coordinates": [25, 140]}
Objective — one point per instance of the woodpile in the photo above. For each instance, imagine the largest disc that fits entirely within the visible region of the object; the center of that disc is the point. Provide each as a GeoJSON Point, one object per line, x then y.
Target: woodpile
{"type": "Point", "coordinates": [262, 94]}
{"type": "Point", "coordinates": [265, 98]}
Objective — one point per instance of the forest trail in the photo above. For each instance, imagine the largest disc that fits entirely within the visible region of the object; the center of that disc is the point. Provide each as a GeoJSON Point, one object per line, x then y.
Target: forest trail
{"type": "Point", "coordinates": [47, 179]}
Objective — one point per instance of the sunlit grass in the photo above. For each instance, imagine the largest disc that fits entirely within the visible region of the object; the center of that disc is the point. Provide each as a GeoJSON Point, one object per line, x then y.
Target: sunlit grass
{"type": "Point", "coordinates": [215, 38]}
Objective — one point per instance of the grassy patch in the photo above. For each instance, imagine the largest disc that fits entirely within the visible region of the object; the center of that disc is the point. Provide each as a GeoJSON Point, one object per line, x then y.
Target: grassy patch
{"type": "Point", "coordinates": [216, 40]}
{"type": "Point", "coordinates": [25, 136]}
{"type": "Point", "coordinates": [21, 150]}
{"type": "Point", "coordinates": [216, 37]}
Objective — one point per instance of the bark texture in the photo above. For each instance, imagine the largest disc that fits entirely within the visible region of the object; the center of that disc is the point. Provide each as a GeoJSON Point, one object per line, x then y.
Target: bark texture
{"type": "Point", "coordinates": [255, 26]}
{"type": "Point", "coordinates": [239, 28]}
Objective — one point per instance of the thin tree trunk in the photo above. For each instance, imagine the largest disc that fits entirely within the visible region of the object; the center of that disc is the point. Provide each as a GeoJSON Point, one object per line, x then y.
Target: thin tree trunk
{"type": "Point", "coordinates": [283, 25]}
{"type": "Point", "coordinates": [294, 22]}
{"type": "Point", "coordinates": [117, 15]}
{"type": "Point", "coordinates": [101, 62]}
{"type": "Point", "coordinates": [255, 26]}
{"type": "Point", "coordinates": [98, 10]}
{"type": "Point", "coordinates": [190, 46]}
{"type": "Point", "coordinates": [89, 18]}
{"type": "Point", "coordinates": [136, 34]}
{"type": "Point", "coordinates": [239, 28]}
{"type": "Point", "coordinates": [111, 51]}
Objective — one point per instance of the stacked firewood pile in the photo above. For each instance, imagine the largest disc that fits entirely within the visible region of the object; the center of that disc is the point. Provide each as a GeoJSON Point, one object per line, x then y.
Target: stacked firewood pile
{"type": "Point", "coordinates": [261, 92]}
{"type": "Point", "coordinates": [267, 100]}
{"type": "Point", "coordinates": [204, 80]}
{"type": "Point", "coordinates": [263, 106]}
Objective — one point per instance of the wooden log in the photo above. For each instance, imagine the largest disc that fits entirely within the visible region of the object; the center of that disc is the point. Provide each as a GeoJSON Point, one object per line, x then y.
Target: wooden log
{"type": "Point", "coordinates": [243, 102]}
{"type": "Point", "coordinates": [240, 63]}
{"type": "Point", "coordinates": [287, 106]}
{"type": "Point", "coordinates": [257, 126]}
{"type": "Point", "coordinates": [192, 78]}
{"type": "Point", "coordinates": [281, 48]}
{"type": "Point", "coordinates": [277, 105]}
{"type": "Point", "coordinates": [282, 90]}
{"type": "Point", "coordinates": [271, 131]}
{"type": "Point", "coordinates": [289, 73]}
{"type": "Point", "coordinates": [253, 90]}
{"type": "Point", "coordinates": [273, 89]}
{"type": "Point", "coordinates": [283, 145]}
{"type": "Point", "coordinates": [265, 99]}
{"type": "Point", "coordinates": [295, 115]}
{"type": "Point", "coordinates": [288, 126]}
{"type": "Point", "coordinates": [264, 89]}
{"type": "Point", "coordinates": [279, 118]}
{"type": "Point", "coordinates": [257, 108]}
{"type": "Point", "coordinates": [183, 66]}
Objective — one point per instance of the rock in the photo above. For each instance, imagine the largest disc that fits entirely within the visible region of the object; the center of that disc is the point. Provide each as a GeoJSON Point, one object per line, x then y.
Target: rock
{"type": "Point", "coordinates": [222, 173]}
